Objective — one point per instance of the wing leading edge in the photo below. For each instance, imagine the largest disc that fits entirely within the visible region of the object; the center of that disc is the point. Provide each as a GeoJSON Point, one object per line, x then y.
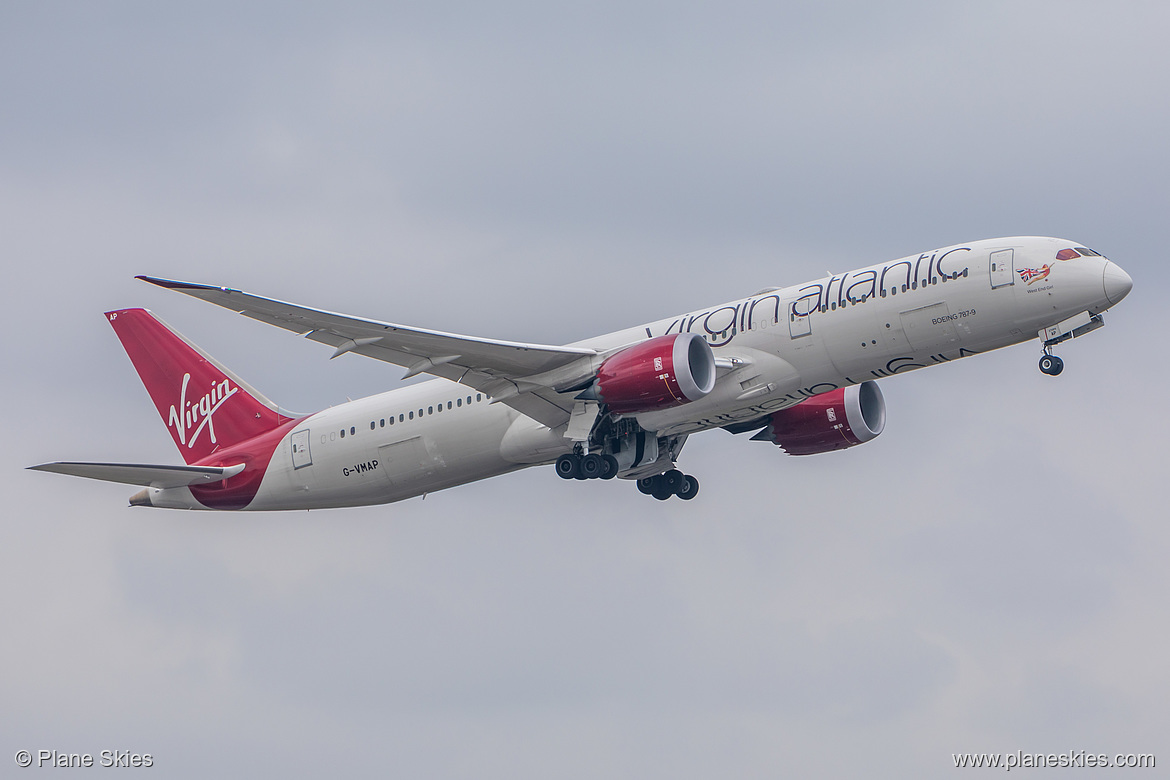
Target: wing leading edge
{"type": "Point", "coordinates": [527, 377]}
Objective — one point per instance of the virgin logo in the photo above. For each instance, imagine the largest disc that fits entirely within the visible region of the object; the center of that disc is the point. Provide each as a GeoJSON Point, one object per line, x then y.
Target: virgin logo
{"type": "Point", "coordinates": [192, 417]}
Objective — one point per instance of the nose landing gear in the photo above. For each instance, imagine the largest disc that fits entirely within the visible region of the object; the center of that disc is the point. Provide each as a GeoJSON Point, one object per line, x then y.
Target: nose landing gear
{"type": "Point", "coordinates": [1050, 364]}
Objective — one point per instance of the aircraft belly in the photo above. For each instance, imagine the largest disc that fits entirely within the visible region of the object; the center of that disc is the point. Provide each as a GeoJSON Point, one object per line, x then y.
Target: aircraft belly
{"type": "Point", "coordinates": [447, 454]}
{"type": "Point", "coordinates": [529, 442]}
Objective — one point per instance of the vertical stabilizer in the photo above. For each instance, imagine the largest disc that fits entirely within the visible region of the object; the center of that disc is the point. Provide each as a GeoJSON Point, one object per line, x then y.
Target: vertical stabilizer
{"type": "Point", "coordinates": [204, 406]}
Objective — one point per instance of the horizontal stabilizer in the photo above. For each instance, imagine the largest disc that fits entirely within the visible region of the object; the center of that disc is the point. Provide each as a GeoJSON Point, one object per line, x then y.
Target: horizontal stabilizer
{"type": "Point", "coordinates": [147, 475]}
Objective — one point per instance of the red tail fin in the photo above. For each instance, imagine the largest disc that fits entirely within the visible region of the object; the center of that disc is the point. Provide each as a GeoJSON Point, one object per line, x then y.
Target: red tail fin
{"type": "Point", "coordinates": [205, 406]}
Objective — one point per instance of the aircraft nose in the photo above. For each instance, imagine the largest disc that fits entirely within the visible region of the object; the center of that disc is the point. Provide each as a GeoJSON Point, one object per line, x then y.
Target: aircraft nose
{"type": "Point", "coordinates": [1117, 283]}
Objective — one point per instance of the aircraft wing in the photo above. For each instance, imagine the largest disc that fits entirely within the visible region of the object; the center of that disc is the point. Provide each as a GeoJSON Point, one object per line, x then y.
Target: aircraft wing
{"type": "Point", "coordinates": [508, 371]}
{"type": "Point", "coordinates": [146, 475]}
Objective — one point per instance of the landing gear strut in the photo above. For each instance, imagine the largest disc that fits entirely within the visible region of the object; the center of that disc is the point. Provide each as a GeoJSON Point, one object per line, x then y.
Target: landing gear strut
{"type": "Point", "coordinates": [1050, 364]}
{"type": "Point", "coordinates": [672, 483]}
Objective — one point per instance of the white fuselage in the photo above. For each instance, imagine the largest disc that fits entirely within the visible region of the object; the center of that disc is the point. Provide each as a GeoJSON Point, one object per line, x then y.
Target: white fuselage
{"type": "Point", "coordinates": [777, 348]}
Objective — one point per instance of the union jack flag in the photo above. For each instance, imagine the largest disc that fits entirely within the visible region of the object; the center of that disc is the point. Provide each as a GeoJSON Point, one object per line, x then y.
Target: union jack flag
{"type": "Point", "coordinates": [1029, 275]}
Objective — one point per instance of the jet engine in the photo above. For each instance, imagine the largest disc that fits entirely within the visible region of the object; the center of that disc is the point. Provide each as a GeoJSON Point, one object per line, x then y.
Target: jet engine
{"type": "Point", "coordinates": [830, 421]}
{"type": "Point", "coordinates": [656, 374]}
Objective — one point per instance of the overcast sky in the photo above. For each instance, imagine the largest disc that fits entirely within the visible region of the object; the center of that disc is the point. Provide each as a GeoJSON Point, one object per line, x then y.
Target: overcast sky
{"type": "Point", "coordinates": [988, 575]}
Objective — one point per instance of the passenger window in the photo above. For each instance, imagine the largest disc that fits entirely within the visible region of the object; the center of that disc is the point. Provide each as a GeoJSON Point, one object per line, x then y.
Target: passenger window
{"type": "Point", "coordinates": [343, 433]}
{"type": "Point", "coordinates": [382, 423]}
{"type": "Point", "coordinates": [468, 399]}
{"type": "Point", "coordinates": [430, 410]}
{"type": "Point", "coordinates": [459, 402]}
{"type": "Point", "coordinates": [477, 397]}
{"type": "Point", "coordinates": [400, 418]}
{"type": "Point", "coordinates": [412, 415]}
{"type": "Point", "coordinates": [353, 431]}
{"type": "Point", "coordinates": [448, 405]}
{"type": "Point", "coordinates": [371, 425]}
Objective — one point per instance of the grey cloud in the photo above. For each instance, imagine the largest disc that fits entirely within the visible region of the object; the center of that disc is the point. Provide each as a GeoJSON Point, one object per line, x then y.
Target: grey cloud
{"type": "Point", "coordinates": [988, 575]}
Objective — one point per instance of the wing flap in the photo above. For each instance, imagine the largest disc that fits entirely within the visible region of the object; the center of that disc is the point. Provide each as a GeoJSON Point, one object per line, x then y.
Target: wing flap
{"type": "Point", "coordinates": [143, 474]}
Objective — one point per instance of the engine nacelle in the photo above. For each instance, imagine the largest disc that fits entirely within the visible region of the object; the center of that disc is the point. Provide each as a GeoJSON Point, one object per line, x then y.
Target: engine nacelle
{"type": "Point", "coordinates": [829, 421]}
{"type": "Point", "coordinates": [657, 374]}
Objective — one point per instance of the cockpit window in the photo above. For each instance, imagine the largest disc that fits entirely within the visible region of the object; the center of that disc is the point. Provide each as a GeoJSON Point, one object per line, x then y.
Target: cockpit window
{"type": "Point", "coordinates": [1067, 254]}
{"type": "Point", "coordinates": [1087, 252]}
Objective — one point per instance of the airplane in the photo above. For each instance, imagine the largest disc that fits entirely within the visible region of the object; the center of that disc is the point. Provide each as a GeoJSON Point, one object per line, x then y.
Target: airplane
{"type": "Point", "coordinates": [799, 366]}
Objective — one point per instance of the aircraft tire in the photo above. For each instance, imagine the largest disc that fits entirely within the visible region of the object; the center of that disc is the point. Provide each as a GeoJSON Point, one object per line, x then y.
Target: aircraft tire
{"type": "Point", "coordinates": [646, 485]}
{"type": "Point", "coordinates": [591, 466]}
{"type": "Point", "coordinates": [1051, 365]}
{"type": "Point", "coordinates": [610, 467]}
{"type": "Point", "coordinates": [688, 489]}
{"type": "Point", "coordinates": [568, 466]}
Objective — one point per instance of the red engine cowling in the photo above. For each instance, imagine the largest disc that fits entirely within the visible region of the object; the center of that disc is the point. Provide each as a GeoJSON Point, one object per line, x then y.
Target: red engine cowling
{"type": "Point", "coordinates": [657, 374]}
{"type": "Point", "coordinates": [830, 421]}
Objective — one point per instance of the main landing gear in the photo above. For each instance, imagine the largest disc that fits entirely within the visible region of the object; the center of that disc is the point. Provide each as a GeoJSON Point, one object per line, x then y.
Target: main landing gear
{"type": "Point", "coordinates": [590, 466]}
{"type": "Point", "coordinates": [1050, 364]}
{"type": "Point", "coordinates": [672, 483]}
{"type": "Point", "coordinates": [595, 466]}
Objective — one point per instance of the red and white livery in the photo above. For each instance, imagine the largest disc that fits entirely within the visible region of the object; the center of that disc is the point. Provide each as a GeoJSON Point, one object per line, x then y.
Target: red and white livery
{"type": "Point", "coordinates": [798, 366]}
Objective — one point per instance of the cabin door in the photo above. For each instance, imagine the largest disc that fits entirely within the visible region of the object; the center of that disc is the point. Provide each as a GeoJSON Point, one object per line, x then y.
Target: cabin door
{"type": "Point", "coordinates": [1003, 269]}
{"type": "Point", "coordinates": [301, 456]}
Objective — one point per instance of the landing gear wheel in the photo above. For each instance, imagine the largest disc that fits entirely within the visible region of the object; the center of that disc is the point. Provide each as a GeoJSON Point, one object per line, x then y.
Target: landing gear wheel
{"type": "Point", "coordinates": [568, 467]}
{"type": "Point", "coordinates": [662, 492]}
{"type": "Point", "coordinates": [1051, 365]}
{"type": "Point", "coordinates": [591, 466]}
{"type": "Point", "coordinates": [646, 485]}
{"type": "Point", "coordinates": [688, 489]}
{"type": "Point", "coordinates": [672, 480]}
{"type": "Point", "coordinates": [609, 467]}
